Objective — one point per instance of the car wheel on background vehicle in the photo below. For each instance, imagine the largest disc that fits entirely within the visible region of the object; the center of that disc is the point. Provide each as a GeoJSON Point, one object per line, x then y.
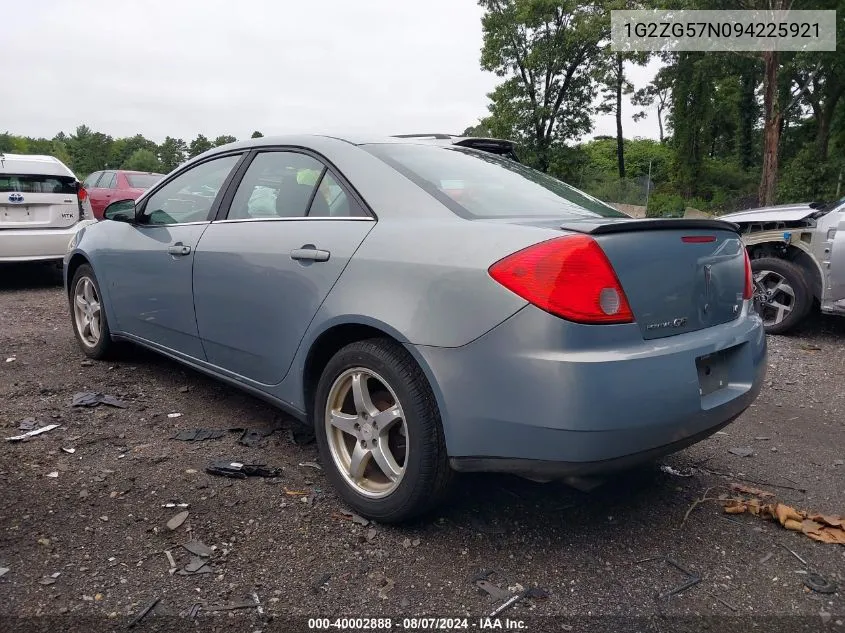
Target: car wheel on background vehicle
{"type": "Point", "coordinates": [89, 318]}
{"type": "Point", "coordinates": [379, 433]}
{"type": "Point", "coordinates": [781, 293]}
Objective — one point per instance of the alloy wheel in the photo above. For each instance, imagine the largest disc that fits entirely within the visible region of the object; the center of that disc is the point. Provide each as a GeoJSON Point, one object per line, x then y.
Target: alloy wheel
{"type": "Point", "coordinates": [367, 433]}
{"type": "Point", "coordinates": [774, 296]}
{"type": "Point", "coordinates": [87, 311]}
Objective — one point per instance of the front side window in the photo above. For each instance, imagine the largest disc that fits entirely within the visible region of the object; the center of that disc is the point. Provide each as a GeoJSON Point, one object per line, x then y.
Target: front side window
{"type": "Point", "coordinates": [91, 180]}
{"type": "Point", "coordinates": [276, 185]}
{"type": "Point", "coordinates": [476, 184]}
{"type": "Point", "coordinates": [189, 196]}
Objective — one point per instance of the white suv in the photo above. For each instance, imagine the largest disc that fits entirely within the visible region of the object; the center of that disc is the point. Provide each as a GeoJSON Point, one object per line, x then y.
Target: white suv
{"type": "Point", "coordinates": [42, 206]}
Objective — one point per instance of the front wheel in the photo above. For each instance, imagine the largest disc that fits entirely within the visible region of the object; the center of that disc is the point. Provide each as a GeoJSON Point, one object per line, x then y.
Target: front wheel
{"type": "Point", "coordinates": [781, 294]}
{"type": "Point", "coordinates": [379, 433]}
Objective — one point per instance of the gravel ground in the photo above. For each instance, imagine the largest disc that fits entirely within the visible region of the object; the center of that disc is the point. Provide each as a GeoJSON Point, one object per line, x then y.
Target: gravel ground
{"type": "Point", "coordinates": [85, 547]}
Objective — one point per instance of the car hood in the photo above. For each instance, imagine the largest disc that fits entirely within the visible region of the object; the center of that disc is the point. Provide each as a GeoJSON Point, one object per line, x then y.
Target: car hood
{"type": "Point", "coordinates": [780, 213]}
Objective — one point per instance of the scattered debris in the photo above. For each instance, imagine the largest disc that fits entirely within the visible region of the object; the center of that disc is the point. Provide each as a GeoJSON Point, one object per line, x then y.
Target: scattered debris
{"type": "Point", "coordinates": [184, 389]}
{"type": "Point", "coordinates": [53, 475]}
{"type": "Point", "coordinates": [86, 363]}
{"type": "Point", "coordinates": [495, 592]}
{"type": "Point", "coordinates": [676, 472]}
{"type": "Point", "coordinates": [11, 359]}
{"type": "Point", "coordinates": [247, 604]}
{"type": "Point", "coordinates": [751, 491]}
{"type": "Point", "coordinates": [254, 437]}
{"type": "Point", "coordinates": [47, 581]}
{"type": "Point", "coordinates": [320, 582]}
{"type": "Point", "coordinates": [4, 571]}
{"type": "Point", "coordinates": [198, 548]}
{"type": "Point", "coordinates": [695, 504]}
{"type": "Point", "coordinates": [33, 433]}
{"type": "Point", "coordinates": [534, 592]}
{"type": "Point", "coordinates": [803, 562]}
{"type": "Point", "coordinates": [311, 465]}
{"type": "Point", "coordinates": [258, 606]}
{"type": "Point", "coordinates": [94, 399]}
{"type": "Point", "coordinates": [819, 584]}
{"type": "Point", "coordinates": [227, 467]}
{"type": "Point", "coordinates": [199, 435]}
{"type": "Point", "coordinates": [371, 534]}
{"type": "Point", "coordinates": [175, 505]}
{"type": "Point", "coordinates": [174, 415]}
{"type": "Point", "coordinates": [839, 462]}
{"type": "Point", "coordinates": [143, 613]}
{"type": "Point", "coordinates": [170, 560]}
{"type": "Point", "coordinates": [692, 579]}
{"type": "Point", "coordinates": [819, 527]}
{"type": "Point", "coordinates": [742, 451]}
{"type": "Point", "coordinates": [766, 557]}
{"type": "Point", "coordinates": [809, 347]}
{"type": "Point", "coordinates": [197, 565]}
{"type": "Point", "coordinates": [177, 520]}
{"type": "Point", "coordinates": [727, 604]}
{"type": "Point", "coordinates": [355, 518]}
{"type": "Point", "coordinates": [386, 588]}
{"type": "Point", "coordinates": [70, 451]}
{"type": "Point", "coordinates": [294, 493]}
{"type": "Point", "coordinates": [28, 424]}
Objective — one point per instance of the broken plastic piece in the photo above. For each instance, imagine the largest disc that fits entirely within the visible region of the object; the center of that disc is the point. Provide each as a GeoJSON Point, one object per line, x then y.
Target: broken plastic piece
{"type": "Point", "coordinates": [143, 613]}
{"type": "Point", "coordinates": [198, 548]}
{"type": "Point", "coordinates": [33, 433]}
{"type": "Point", "coordinates": [198, 435]}
{"type": "Point", "coordinates": [227, 467]}
{"type": "Point", "coordinates": [254, 437]}
{"type": "Point", "coordinates": [94, 398]}
{"type": "Point", "coordinates": [177, 520]}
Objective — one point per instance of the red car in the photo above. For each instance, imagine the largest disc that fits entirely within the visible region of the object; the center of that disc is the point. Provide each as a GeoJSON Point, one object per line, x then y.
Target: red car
{"type": "Point", "coordinates": [105, 187]}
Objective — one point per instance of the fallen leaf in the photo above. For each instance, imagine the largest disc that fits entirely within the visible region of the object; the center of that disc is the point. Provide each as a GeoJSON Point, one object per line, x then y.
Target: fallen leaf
{"type": "Point", "coordinates": [785, 513]}
{"type": "Point", "coordinates": [751, 491]}
{"type": "Point", "coordinates": [828, 520]}
{"type": "Point", "coordinates": [177, 520]}
{"type": "Point", "coordinates": [735, 508]}
{"type": "Point", "coordinates": [792, 524]}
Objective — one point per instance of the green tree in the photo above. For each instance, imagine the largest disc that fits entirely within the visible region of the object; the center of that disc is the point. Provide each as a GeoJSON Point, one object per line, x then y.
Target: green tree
{"type": "Point", "coordinates": [199, 145]}
{"type": "Point", "coordinates": [172, 153]}
{"type": "Point", "coordinates": [89, 150]}
{"type": "Point", "coordinates": [123, 148]}
{"type": "Point", "coordinates": [142, 160]}
{"type": "Point", "coordinates": [659, 94]}
{"type": "Point", "coordinates": [257, 134]}
{"type": "Point", "coordinates": [224, 140]}
{"type": "Point", "coordinates": [546, 52]}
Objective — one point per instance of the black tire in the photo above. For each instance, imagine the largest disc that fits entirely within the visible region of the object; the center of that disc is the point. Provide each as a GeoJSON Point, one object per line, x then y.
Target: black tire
{"type": "Point", "coordinates": [427, 472]}
{"type": "Point", "coordinates": [794, 277]}
{"type": "Point", "coordinates": [105, 347]}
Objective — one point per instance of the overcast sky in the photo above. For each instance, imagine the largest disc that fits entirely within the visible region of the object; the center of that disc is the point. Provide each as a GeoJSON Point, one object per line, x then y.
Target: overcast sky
{"type": "Point", "coordinates": [183, 67]}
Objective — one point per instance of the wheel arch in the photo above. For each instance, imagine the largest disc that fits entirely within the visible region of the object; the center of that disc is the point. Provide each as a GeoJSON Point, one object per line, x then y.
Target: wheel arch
{"type": "Point", "coordinates": [77, 260]}
{"type": "Point", "coordinates": [797, 253]}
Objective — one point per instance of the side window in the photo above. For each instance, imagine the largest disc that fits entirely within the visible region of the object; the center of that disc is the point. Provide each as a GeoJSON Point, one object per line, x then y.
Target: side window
{"type": "Point", "coordinates": [331, 201]}
{"type": "Point", "coordinates": [276, 185]}
{"type": "Point", "coordinates": [91, 180]}
{"type": "Point", "coordinates": [189, 196]}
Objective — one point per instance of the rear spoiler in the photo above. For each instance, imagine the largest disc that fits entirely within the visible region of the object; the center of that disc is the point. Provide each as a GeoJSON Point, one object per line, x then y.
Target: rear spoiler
{"type": "Point", "coordinates": [656, 224]}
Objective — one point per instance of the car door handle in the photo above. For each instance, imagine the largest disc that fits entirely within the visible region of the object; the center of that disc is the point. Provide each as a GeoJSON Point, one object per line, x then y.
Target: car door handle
{"type": "Point", "coordinates": [312, 254]}
{"type": "Point", "coordinates": [178, 249]}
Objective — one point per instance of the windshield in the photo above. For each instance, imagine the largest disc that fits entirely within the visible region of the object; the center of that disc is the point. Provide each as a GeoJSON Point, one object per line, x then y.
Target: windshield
{"type": "Point", "coordinates": [477, 184]}
{"type": "Point", "coordinates": [37, 184]}
{"type": "Point", "coordinates": [143, 181]}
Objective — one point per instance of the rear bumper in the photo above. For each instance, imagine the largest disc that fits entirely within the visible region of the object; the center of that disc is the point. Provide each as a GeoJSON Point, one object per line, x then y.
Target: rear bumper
{"type": "Point", "coordinates": [22, 245]}
{"type": "Point", "coordinates": [515, 401]}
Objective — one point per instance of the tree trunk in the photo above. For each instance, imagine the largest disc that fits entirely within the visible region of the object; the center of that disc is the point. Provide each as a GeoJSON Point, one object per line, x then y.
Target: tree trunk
{"type": "Point", "coordinates": [620, 145]}
{"type": "Point", "coordinates": [823, 132]}
{"type": "Point", "coordinates": [771, 131]}
{"type": "Point", "coordinates": [660, 121]}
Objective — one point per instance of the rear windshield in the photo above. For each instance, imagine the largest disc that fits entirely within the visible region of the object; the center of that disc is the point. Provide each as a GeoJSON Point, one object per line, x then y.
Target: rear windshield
{"type": "Point", "coordinates": [27, 183]}
{"type": "Point", "coordinates": [477, 184]}
{"type": "Point", "coordinates": [143, 181]}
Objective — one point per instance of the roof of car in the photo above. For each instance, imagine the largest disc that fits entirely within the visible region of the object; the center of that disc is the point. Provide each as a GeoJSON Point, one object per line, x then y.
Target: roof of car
{"type": "Point", "coordinates": [36, 164]}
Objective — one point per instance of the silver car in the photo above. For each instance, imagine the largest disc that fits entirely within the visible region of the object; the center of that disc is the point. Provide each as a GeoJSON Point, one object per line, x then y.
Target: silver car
{"type": "Point", "coordinates": [429, 309]}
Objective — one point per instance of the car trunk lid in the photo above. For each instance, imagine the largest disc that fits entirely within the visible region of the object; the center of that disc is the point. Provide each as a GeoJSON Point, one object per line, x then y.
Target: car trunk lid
{"type": "Point", "coordinates": [32, 202]}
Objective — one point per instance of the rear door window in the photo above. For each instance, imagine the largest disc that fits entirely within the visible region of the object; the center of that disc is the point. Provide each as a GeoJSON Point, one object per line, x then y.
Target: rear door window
{"type": "Point", "coordinates": [28, 183]}
{"type": "Point", "coordinates": [108, 181]}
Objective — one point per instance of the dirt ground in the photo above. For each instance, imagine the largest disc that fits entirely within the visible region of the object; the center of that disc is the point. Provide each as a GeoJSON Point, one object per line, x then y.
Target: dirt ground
{"type": "Point", "coordinates": [83, 535]}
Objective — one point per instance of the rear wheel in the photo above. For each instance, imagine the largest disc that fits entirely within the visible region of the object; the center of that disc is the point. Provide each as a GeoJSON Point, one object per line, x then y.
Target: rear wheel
{"type": "Point", "coordinates": [781, 294]}
{"type": "Point", "coordinates": [88, 316]}
{"type": "Point", "coordinates": [378, 431]}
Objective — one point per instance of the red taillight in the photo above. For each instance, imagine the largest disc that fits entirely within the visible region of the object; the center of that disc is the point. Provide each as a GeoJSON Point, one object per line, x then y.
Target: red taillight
{"type": "Point", "coordinates": [748, 291]}
{"type": "Point", "coordinates": [570, 277]}
{"type": "Point", "coordinates": [82, 194]}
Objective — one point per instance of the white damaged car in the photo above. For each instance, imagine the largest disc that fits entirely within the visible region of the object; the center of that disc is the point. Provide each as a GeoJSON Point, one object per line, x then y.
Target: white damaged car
{"type": "Point", "coordinates": [42, 206]}
{"type": "Point", "coordinates": [797, 256]}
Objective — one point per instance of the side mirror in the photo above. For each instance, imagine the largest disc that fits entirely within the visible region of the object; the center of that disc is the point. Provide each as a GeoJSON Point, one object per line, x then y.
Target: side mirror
{"type": "Point", "coordinates": [121, 211]}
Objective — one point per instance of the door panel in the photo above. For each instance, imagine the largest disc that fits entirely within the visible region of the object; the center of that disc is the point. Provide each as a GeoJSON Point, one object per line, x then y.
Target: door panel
{"type": "Point", "coordinates": [254, 301]}
{"type": "Point", "coordinates": [149, 280]}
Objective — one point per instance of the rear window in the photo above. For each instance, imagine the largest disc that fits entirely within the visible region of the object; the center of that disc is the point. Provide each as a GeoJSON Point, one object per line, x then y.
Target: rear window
{"type": "Point", "coordinates": [476, 184]}
{"type": "Point", "coordinates": [143, 181]}
{"type": "Point", "coordinates": [27, 183]}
